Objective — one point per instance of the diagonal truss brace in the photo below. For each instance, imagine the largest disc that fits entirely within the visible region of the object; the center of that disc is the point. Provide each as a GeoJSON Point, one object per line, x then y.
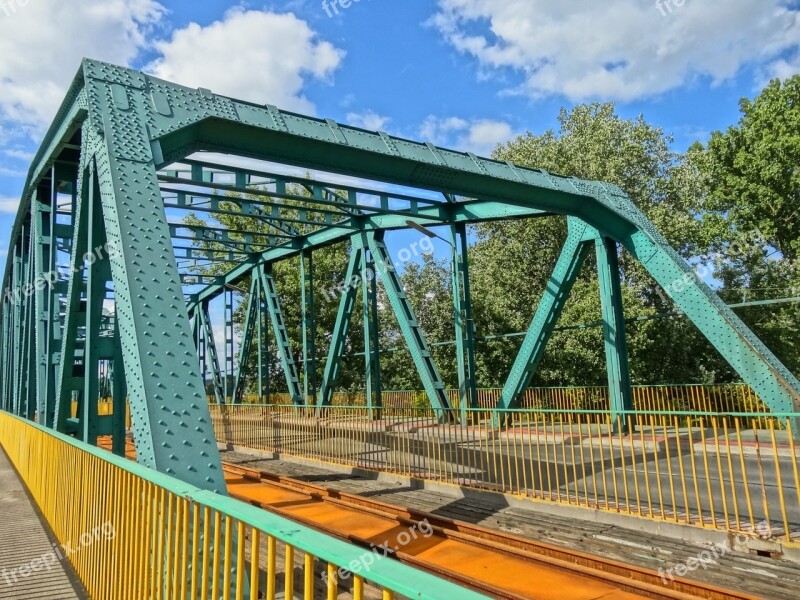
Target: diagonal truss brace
{"type": "Point", "coordinates": [253, 304]}
{"type": "Point", "coordinates": [281, 335]}
{"type": "Point", "coordinates": [569, 263]}
{"type": "Point", "coordinates": [206, 333]}
{"type": "Point", "coordinates": [415, 340]}
{"type": "Point", "coordinates": [344, 315]}
{"type": "Point", "coordinates": [169, 409]}
{"type": "Point", "coordinates": [748, 356]}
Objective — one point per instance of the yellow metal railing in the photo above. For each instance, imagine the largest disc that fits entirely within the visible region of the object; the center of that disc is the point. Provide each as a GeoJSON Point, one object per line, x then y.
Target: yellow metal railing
{"type": "Point", "coordinates": [736, 472]}
{"type": "Point", "coordinates": [133, 533]}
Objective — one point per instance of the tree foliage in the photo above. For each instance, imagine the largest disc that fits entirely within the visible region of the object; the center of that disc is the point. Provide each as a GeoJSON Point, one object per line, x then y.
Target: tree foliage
{"type": "Point", "coordinates": [751, 212]}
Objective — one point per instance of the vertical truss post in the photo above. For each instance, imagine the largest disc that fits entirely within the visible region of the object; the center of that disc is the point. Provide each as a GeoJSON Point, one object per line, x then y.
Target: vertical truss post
{"type": "Point", "coordinates": [227, 346]}
{"type": "Point", "coordinates": [544, 321]}
{"type": "Point", "coordinates": [98, 274]}
{"type": "Point", "coordinates": [29, 353]}
{"type": "Point", "coordinates": [309, 328]}
{"type": "Point", "coordinates": [616, 346]}
{"type": "Point", "coordinates": [119, 393]}
{"type": "Point", "coordinates": [210, 351]}
{"type": "Point", "coordinates": [281, 335]}
{"type": "Point", "coordinates": [263, 347]}
{"type": "Point", "coordinates": [372, 362]}
{"type": "Point", "coordinates": [41, 234]}
{"type": "Point", "coordinates": [409, 326]}
{"type": "Point", "coordinates": [17, 318]}
{"type": "Point", "coordinates": [253, 301]}
{"type": "Point", "coordinates": [344, 315]}
{"type": "Point", "coordinates": [48, 336]}
{"type": "Point", "coordinates": [5, 400]}
{"type": "Point", "coordinates": [69, 379]}
{"type": "Point", "coordinates": [464, 323]}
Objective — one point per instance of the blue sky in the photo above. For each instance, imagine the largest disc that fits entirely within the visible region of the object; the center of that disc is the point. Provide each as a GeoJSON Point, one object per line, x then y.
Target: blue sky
{"type": "Point", "coordinates": [461, 73]}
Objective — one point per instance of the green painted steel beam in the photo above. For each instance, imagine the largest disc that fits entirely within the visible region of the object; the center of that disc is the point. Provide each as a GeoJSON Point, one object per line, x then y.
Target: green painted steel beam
{"type": "Point", "coordinates": [68, 381]}
{"type": "Point", "coordinates": [744, 352]}
{"type": "Point", "coordinates": [409, 326]}
{"type": "Point", "coordinates": [614, 339]}
{"type": "Point", "coordinates": [309, 327]}
{"type": "Point", "coordinates": [98, 273]}
{"type": "Point", "coordinates": [210, 348]}
{"type": "Point", "coordinates": [281, 335]}
{"type": "Point", "coordinates": [556, 293]}
{"type": "Point", "coordinates": [347, 299]}
{"type": "Point", "coordinates": [464, 322]}
{"type": "Point", "coordinates": [372, 356]}
{"type": "Point", "coordinates": [169, 409]}
{"type": "Point", "coordinates": [253, 300]}
{"type": "Point", "coordinates": [119, 396]}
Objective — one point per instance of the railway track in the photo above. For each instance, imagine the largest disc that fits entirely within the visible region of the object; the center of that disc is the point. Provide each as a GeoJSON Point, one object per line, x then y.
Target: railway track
{"type": "Point", "coordinates": [496, 563]}
{"type": "Point", "coordinates": [493, 562]}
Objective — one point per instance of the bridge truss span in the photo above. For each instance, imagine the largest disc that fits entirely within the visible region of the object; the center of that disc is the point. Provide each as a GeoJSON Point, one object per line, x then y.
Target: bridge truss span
{"type": "Point", "coordinates": [102, 296]}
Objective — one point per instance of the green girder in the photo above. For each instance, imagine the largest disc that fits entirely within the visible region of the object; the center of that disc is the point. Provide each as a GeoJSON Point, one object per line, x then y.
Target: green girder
{"type": "Point", "coordinates": [409, 327]}
{"type": "Point", "coordinates": [281, 335]}
{"type": "Point", "coordinates": [464, 323]}
{"type": "Point", "coordinates": [206, 333]}
{"type": "Point", "coordinates": [556, 293]}
{"type": "Point", "coordinates": [253, 304]}
{"type": "Point", "coordinates": [372, 355]}
{"type": "Point", "coordinates": [616, 347]}
{"type": "Point", "coordinates": [309, 326]}
{"type": "Point", "coordinates": [347, 300]}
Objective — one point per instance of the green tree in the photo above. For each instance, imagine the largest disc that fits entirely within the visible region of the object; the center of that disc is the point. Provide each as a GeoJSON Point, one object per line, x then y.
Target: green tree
{"type": "Point", "coordinates": [512, 261]}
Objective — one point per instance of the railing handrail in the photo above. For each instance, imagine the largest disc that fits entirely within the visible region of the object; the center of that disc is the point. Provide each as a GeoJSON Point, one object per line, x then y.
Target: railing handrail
{"type": "Point", "coordinates": [389, 574]}
{"type": "Point", "coordinates": [545, 387]}
{"type": "Point", "coordinates": [574, 411]}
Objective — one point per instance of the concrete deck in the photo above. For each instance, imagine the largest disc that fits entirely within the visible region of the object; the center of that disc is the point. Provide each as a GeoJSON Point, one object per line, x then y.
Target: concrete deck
{"type": "Point", "coordinates": [29, 568]}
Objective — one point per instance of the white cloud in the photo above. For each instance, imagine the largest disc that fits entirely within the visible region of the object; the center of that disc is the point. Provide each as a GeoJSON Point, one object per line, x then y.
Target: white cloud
{"type": "Point", "coordinates": [480, 136]}
{"type": "Point", "coordinates": [22, 155]}
{"type": "Point", "coordinates": [621, 49]}
{"type": "Point", "coordinates": [368, 120]}
{"type": "Point", "coordinates": [9, 205]}
{"type": "Point", "coordinates": [42, 44]}
{"type": "Point", "coordinates": [257, 55]}
{"type": "Point", "coordinates": [253, 55]}
{"type": "Point", "coordinates": [782, 68]}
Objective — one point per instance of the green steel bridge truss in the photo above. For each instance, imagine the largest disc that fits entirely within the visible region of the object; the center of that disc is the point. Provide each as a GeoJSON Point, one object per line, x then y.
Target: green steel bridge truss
{"type": "Point", "coordinates": [96, 229]}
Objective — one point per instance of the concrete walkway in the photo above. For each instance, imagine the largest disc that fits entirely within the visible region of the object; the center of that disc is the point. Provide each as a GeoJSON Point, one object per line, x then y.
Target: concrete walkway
{"type": "Point", "coordinates": [29, 569]}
